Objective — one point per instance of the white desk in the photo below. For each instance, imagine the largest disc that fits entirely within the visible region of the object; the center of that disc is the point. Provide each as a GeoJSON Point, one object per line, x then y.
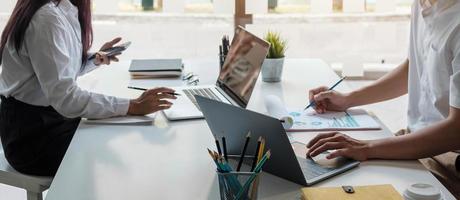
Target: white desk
{"type": "Point", "coordinates": [168, 160]}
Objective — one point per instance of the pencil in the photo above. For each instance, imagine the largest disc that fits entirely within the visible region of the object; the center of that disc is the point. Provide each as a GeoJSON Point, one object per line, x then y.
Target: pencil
{"type": "Point", "coordinates": [331, 88]}
{"type": "Point", "coordinates": [224, 145]}
{"type": "Point", "coordinates": [218, 145]}
{"type": "Point", "coordinates": [248, 137]}
{"type": "Point", "coordinates": [143, 89]}
{"type": "Point", "coordinates": [256, 154]}
{"type": "Point", "coordinates": [252, 177]}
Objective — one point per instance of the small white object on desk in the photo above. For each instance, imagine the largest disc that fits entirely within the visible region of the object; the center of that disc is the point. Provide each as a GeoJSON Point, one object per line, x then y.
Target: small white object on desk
{"type": "Point", "coordinates": [422, 191]}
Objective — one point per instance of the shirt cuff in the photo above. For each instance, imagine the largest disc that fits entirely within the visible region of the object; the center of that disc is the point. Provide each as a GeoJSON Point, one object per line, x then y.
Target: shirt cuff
{"type": "Point", "coordinates": [122, 107]}
{"type": "Point", "coordinates": [88, 66]}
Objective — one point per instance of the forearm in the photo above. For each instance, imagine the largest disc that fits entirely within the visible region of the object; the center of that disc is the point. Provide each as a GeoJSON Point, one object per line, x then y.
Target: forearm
{"type": "Point", "coordinates": [392, 85]}
{"type": "Point", "coordinates": [433, 140]}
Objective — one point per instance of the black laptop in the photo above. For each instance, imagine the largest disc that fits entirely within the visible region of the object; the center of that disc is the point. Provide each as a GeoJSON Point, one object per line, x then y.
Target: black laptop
{"type": "Point", "coordinates": [288, 159]}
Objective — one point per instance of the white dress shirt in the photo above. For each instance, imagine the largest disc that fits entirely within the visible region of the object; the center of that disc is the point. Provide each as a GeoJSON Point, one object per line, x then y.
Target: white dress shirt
{"type": "Point", "coordinates": [434, 70]}
{"type": "Point", "coordinates": [45, 70]}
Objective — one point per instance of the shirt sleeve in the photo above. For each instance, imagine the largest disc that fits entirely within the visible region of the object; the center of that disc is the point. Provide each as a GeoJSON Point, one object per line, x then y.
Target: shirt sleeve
{"type": "Point", "coordinates": [47, 43]}
{"type": "Point", "coordinates": [88, 66]}
{"type": "Point", "coordinates": [455, 78]}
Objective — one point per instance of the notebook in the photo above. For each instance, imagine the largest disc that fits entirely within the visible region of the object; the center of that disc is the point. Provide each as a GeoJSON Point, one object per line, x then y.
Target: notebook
{"type": "Point", "coordinates": [147, 68]}
{"type": "Point", "coordinates": [374, 192]}
{"type": "Point", "coordinates": [123, 120]}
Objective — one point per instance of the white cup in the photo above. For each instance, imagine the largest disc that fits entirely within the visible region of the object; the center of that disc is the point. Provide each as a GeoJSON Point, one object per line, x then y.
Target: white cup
{"type": "Point", "coordinates": [422, 191]}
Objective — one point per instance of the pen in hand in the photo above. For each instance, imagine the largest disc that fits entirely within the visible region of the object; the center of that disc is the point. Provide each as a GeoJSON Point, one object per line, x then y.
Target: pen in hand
{"type": "Point", "coordinates": [143, 89]}
{"type": "Point", "coordinates": [331, 88]}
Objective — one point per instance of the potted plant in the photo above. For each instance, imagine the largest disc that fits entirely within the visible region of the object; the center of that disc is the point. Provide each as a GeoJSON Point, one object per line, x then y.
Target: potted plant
{"type": "Point", "coordinates": [272, 68]}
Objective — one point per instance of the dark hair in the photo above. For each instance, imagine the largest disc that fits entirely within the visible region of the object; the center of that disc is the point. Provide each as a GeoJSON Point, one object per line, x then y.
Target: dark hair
{"type": "Point", "coordinates": [23, 12]}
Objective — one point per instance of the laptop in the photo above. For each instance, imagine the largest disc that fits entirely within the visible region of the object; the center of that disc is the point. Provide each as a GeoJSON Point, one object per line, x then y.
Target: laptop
{"type": "Point", "coordinates": [235, 82]}
{"type": "Point", "coordinates": [288, 159]}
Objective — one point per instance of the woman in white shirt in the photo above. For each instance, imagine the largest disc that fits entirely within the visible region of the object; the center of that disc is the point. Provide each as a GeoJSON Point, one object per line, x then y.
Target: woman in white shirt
{"type": "Point", "coordinates": [431, 77]}
{"type": "Point", "coordinates": [44, 48]}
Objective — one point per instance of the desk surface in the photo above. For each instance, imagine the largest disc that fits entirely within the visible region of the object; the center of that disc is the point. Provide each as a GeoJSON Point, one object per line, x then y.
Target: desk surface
{"type": "Point", "coordinates": [168, 160]}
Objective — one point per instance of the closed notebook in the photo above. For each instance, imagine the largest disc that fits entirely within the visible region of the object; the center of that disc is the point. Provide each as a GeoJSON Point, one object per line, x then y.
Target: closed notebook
{"type": "Point", "coordinates": [374, 192]}
{"type": "Point", "coordinates": [156, 68]}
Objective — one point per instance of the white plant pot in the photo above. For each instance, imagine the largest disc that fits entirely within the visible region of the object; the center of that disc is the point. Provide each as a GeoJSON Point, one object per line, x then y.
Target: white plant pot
{"type": "Point", "coordinates": [272, 70]}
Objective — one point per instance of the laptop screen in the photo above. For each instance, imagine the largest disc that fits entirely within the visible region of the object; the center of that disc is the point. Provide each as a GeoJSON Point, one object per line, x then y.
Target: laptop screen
{"type": "Point", "coordinates": [243, 64]}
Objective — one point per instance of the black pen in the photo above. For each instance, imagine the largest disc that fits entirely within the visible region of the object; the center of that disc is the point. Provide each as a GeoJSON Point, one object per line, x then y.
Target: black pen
{"type": "Point", "coordinates": [331, 88]}
{"type": "Point", "coordinates": [143, 89]}
{"type": "Point", "coordinates": [248, 137]}
{"type": "Point", "coordinates": [218, 145]}
{"type": "Point", "coordinates": [254, 161]}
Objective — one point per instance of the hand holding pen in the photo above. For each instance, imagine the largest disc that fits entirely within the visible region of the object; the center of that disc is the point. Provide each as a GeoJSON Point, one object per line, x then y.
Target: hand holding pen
{"type": "Point", "coordinates": [325, 98]}
{"type": "Point", "coordinates": [151, 100]}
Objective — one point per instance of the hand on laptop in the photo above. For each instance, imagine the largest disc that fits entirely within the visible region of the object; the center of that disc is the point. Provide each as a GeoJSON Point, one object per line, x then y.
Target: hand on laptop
{"type": "Point", "coordinates": [326, 99]}
{"type": "Point", "coordinates": [342, 144]}
{"type": "Point", "coordinates": [151, 101]}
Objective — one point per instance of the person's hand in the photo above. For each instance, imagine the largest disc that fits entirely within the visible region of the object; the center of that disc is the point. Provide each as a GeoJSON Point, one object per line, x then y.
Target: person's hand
{"type": "Point", "coordinates": [151, 101]}
{"type": "Point", "coordinates": [342, 144]}
{"type": "Point", "coordinates": [101, 56]}
{"type": "Point", "coordinates": [328, 100]}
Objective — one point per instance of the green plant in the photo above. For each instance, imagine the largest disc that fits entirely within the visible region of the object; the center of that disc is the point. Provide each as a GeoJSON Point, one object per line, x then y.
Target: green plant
{"type": "Point", "coordinates": [278, 45]}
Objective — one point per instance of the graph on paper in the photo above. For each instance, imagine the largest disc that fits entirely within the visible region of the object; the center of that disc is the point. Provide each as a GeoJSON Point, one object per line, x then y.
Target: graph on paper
{"type": "Point", "coordinates": [333, 121]}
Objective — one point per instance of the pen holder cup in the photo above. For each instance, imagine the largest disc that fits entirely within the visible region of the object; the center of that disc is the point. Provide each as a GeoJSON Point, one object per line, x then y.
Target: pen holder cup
{"type": "Point", "coordinates": [238, 185]}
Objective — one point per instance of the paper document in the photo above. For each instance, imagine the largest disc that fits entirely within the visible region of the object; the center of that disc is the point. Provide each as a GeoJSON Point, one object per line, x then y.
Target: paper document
{"type": "Point", "coordinates": [123, 120]}
{"type": "Point", "coordinates": [309, 120]}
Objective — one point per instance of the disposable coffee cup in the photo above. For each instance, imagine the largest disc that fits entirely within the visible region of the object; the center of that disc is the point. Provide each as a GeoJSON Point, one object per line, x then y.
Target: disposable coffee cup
{"type": "Point", "coordinates": [422, 191]}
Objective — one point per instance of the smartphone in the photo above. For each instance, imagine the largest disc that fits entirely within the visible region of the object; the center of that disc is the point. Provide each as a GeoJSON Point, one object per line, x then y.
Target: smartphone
{"type": "Point", "coordinates": [114, 50]}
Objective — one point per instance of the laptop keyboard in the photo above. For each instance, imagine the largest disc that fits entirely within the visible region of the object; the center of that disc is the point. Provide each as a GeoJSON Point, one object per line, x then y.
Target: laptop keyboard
{"type": "Point", "coordinates": [312, 170]}
{"type": "Point", "coordinates": [204, 92]}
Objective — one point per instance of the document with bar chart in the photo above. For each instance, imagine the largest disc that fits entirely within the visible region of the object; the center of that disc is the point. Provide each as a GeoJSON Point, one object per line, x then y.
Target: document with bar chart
{"type": "Point", "coordinates": [333, 121]}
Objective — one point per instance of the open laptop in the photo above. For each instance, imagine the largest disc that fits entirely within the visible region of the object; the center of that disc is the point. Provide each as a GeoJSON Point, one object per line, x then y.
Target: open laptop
{"type": "Point", "coordinates": [288, 159]}
{"type": "Point", "coordinates": [235, 82]}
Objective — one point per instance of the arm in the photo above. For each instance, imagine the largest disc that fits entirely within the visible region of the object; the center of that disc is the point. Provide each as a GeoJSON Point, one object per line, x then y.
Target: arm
{"type": "Point", "coordinates": [394, 84]}
{"type": "Point", "coordinates": [47, 42]}
{"type": "Point", "coordinates": [433, 140]}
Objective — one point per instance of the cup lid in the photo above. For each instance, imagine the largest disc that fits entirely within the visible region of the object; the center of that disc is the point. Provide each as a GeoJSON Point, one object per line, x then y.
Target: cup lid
{"type": "Point", "coordinates": [423, 191]}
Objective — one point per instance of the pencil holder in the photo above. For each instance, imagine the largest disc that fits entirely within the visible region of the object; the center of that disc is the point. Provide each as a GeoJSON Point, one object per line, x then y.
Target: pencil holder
{"type": "Point", "coordinates": [238, 185]}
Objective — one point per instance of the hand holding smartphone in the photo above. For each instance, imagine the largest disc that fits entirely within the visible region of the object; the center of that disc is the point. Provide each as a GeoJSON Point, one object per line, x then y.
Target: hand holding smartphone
{"type": "Point", "coordinates": [114, 50]}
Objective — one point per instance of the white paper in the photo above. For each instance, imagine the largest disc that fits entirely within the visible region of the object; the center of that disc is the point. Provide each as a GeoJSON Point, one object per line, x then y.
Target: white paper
{"type": "Point", "coordinates": [123, 120]}
{"type": "Point", "coordinates": [354, 119]}
{"type": "Point", "coordinates": [276, 109]}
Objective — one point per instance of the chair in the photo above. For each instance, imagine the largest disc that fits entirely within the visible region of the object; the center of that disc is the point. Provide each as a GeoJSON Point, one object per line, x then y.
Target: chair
{"type": "Point", "coordinates": [34, 185]}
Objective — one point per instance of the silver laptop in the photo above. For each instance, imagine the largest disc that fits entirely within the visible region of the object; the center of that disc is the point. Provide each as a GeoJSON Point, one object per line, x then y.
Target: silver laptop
{"type": "Point", "coordinates": [288, 160]}
{"type": "Point", "coordinates": [235, 82]}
